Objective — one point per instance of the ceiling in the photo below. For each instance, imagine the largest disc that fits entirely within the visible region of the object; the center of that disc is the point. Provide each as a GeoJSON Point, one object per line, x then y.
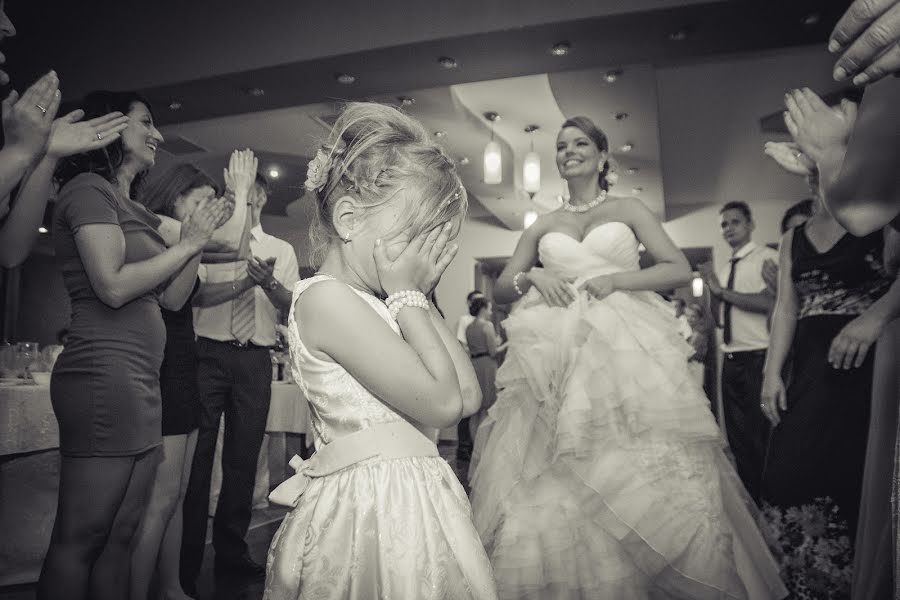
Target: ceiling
{"type": "Point", "coordinates": [205, 62]}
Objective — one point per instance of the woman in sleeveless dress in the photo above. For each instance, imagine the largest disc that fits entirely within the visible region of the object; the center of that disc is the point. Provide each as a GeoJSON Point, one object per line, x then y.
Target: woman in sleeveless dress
{"type": "Point", "coordinates": [377, 513]}
{"type": "Point", "coordinates": [485, 347]}
{"type": "Point", "coordinates": [600, 468]}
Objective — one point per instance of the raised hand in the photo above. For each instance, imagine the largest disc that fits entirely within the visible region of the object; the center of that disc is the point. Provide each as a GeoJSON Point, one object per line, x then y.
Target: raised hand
{"type": "Point", "coordinates": [241, 172]}
{"type": "Point", "coordinates": [556, 291]}
{"type": "Point", "coordinates": [790, 157]}
{"type": "Point", "coordinates": [419, 266]}
{"type": "Point", "coordinates": [261, 271]}
{"type": "Point", "coordinates": [70, 135]}
{"type": "Point", "coordinates": [199, 226]}
{"type": "Point", "coordinates": [27, 120]}
{"type": "Point", "coordinates": [868, 35]}
{"type": "Point", "coordinates": [816, 127]}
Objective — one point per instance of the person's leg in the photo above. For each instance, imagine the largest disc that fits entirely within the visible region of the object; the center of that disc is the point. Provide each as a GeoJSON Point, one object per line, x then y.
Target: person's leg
{"type": "Point", "coordinates": [214, 386]}
{"type": "Point", "coordinates": [163, 501]}
{"type": "Point", "coordinates": [758, 426]}
{"type": "Point", "coordinates": [245, 423]}
{"type": "Point", "coordinates": [169, 565]}
{"type": "Point", "coordinates": [91, 490]}
{"type": "Point", "coordinates": [736, 422]}
{"type": "Point", "coordinates": [111, 573]}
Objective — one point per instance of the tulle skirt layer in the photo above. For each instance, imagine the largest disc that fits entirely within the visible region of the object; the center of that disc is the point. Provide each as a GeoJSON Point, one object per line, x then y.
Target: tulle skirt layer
{"type": "Point", "coordinates": [599, 472]}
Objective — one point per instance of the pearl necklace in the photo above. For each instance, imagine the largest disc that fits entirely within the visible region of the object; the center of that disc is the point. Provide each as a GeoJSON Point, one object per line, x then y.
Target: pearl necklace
{"type": "Point", "coordinates": [580, 208]}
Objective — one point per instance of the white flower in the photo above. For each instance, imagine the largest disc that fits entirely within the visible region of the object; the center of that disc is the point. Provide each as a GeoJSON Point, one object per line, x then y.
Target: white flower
{"type": "Point", "coordinates": [612, 177]}
{"type": "Point", "coordinates": [317, 171]}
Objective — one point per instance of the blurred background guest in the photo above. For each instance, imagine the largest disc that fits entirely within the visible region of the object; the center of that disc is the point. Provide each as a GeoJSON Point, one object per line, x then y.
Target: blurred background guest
{"type": "Point", "coordinates": [485, 347]}
{"type": "Point", "coordinates": [464, 440]}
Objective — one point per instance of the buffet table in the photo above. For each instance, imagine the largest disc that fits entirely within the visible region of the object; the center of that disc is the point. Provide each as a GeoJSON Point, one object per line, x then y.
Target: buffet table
{"type": "Point", "coordinates": [29, 468]}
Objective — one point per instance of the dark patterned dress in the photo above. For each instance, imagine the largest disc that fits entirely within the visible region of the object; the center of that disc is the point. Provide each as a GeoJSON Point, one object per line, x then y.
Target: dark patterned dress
{"type": "Point", "coordinates": [818, 449]}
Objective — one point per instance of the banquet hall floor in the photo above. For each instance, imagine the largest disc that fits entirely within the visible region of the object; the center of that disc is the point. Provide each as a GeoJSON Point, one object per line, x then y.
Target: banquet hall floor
{"type": "Point", "coordinates": [263, 525]}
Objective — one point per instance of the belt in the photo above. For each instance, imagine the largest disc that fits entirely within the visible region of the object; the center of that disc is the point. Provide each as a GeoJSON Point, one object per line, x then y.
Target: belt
{"type": "Point", "coordinates": [248, 345]}
{"type": "Point", "coordinates": [481, 354]}
{"type": "Point", "coordinates": [744, 354]}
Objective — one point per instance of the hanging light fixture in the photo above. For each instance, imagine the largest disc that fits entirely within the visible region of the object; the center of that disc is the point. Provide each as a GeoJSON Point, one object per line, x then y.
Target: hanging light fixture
{"type": "Point", "coordinates": [531, 168]}
{"type": "Point", "coordinates": [530, 218]}
{"type": "Point", "coordinates": [493, 158]}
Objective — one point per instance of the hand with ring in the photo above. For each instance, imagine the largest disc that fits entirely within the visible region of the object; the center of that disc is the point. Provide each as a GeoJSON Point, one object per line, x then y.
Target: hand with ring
{"type": "Point", "coordinates": [27, 120]}
{"type": "Point", "coordinates": [70, 135]}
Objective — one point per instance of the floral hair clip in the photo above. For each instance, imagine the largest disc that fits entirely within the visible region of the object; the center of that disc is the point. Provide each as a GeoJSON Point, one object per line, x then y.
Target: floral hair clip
{"type": "Point", "coordinates": [320, 167]}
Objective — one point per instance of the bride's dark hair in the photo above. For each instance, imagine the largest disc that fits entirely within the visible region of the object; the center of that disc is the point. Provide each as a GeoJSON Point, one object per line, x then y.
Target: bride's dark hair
{"type": "Point", "coordinates": [598, 137]}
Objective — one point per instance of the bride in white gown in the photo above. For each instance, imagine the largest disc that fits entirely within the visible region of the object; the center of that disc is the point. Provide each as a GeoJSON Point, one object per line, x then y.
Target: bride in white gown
{"type": "Point", "coordinates": [599, 472]}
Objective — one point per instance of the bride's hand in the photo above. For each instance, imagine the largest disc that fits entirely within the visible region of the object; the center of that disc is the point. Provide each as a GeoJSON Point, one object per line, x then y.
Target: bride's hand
{"type": "Point", "coordinates": [555, 290]}
{"type": "Point", "coordinates": [600, 287]}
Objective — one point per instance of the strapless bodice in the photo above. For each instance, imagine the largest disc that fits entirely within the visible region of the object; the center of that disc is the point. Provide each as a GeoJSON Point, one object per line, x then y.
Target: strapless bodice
{"type": "Point", "coordinates": [607, 248]}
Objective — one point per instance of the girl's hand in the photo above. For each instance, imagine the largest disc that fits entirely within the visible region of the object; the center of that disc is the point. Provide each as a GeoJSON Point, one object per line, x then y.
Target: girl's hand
{"type": "Point", "coordinates": [790, 157]}
{"type": "Point", "coordinates": [600, 287]}
{"type": "Point", "coordinates": [70, 135]}
{"type": "Point", "coordinates": [773, 398]}
{"type": "Point", "coordinates": [818, 128]}
{"type": "Point", "coordinates": [241, 172]}
{"type": "Point", "coordinates": [199, 226]}
{"type": "Point", "coordinates": [850, 346]}
{"type": "Point", "coordinates": [419, 266]}
{"type": "Point", "coordinates": [555, 290]}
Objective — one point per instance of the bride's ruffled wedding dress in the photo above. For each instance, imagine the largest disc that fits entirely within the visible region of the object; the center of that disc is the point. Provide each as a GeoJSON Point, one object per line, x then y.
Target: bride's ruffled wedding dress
{"type": "Point", "coordinates": [600, 472]}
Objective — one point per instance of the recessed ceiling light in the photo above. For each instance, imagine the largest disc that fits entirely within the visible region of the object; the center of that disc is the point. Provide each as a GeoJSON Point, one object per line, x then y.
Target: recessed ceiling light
{"type": "Point", "coordinates": [631, 171]}
{"type": "Point", "coordinates": [500, 198]}
{"type": "Point", "coordinates": [620, 116]}
{"type": "Point", "coordinates": [255, 92]}
{"type": "Point", "coordinates": [448, 62]}
{"type": "Point", "coordinates": [274, 173]}
{"type": "Point", "coordinates": [612, 75]}
{"type": "Point", "coordinates": [463, 160]}
{"type": "Point", "coordinates": [344, 78]}
{"type": "Point", "coordinates": [174, 105]}
{"type": "Point", "coordinates": [440, 134]}
{"type": "Point", "coordinates": [811, 19]}
{"type": "Point", "coordinates": [406, 100]}
{"type": "Point", "coordinates": [42, 229]}
{"type": "Point", "coordinates": [626, 147]}
{"type": "Point", "coordinates": [560, 49]}
{"type": "Point", "coordinates": [679, 35]}
{"type": "Point", "coordinates": [636, 190]}
{"type": "Point", "coordinates": [492, 116]}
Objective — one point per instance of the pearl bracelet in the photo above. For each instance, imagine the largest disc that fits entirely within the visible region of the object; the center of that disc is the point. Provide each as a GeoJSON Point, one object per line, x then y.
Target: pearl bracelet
{"type": "Point", "coordinates": [413, 298]}
{"type": "Point", "coordinates": [516, 283]}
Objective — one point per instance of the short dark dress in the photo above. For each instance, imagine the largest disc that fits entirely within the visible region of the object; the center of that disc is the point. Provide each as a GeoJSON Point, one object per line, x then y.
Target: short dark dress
{"type": "Point", "coordinates": [818, 449]}
{"type": "Point", "coordinates": [178, 374]}
{"type": "Point", "coordinates": [105, 384]}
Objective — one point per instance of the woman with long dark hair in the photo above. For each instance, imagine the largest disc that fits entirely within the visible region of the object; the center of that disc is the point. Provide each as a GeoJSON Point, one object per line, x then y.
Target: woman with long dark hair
{"type": "Point", "coordinates": [105, 384]}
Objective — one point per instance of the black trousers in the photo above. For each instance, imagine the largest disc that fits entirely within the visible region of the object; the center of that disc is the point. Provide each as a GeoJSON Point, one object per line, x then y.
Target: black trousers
{"type": "Point", "coordinates": [746, 425]}
{"type": "Point", "coordinates": [237, 382]}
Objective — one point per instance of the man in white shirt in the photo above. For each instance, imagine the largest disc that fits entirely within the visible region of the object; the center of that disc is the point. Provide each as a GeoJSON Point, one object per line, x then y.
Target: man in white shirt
{"type": "Point", "coordinates": [742, 304]}
{"type": "Point", "coordinates": [463, 434]}
{"type": "Point", "coordinates": [235, 312]}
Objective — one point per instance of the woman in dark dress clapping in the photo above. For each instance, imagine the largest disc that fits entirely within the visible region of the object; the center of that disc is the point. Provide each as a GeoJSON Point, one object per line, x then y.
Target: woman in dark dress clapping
{"type": "Point", "coordinates": [105, 384]}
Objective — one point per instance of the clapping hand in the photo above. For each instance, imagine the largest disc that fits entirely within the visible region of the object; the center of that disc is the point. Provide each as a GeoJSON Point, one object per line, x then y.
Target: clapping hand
{"type": "Point", "coordinates": [869, 36]}
{"type": "Point", "coordinates": [818, 128]}
{"type": "Point", "coordinates": [790, 157]}
{"type": "Point", "coordinates": [770, 275]}
{"type": "Point", "coordinates": [199, 226]}
{"type": "Point", "coordinates": [241, 172]}
{"type": "Point", "coordinates": [262, 272]}
{"type": "Point", "coordinates": [420, 264]}
{"type": "Point", "coordinates": [27, 120]}
{"type": "Point", "coordinates": [709, 276]}
{"type": "Point", "coordinates": [70, 135]}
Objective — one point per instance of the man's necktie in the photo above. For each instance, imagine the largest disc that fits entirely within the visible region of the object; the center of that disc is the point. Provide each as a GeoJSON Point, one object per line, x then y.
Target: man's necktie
{"type": "Point", "coordinates": [726, 317]}
{"type": "Point", "coordinates": [243, 316]}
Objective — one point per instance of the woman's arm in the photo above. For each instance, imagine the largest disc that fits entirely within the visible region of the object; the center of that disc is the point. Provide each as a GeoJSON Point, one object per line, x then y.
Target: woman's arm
{"type": "Point", "coordinates": [179, 289]}
{"type": "Point", "coordinates": [671, 269]}
{"type": "Point", "coordinates": [523, 259]}
{"type": "Point", "coordinates": [784, 316]}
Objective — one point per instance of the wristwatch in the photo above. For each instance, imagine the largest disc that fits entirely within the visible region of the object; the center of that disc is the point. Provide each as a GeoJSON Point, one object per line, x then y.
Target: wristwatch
{"type": "Point", "coordinates": [271, 285]}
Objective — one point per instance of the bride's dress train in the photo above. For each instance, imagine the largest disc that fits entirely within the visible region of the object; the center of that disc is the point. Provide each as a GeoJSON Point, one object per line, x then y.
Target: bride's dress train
{"type": "Point", "coordinates": [600, 472]}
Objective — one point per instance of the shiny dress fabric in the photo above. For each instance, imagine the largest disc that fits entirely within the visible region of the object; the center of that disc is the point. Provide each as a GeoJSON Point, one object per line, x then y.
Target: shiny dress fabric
{"type": "Point", "coordinates": [394, 528]}
{"type": "Point", "coordinates": [599, 472]}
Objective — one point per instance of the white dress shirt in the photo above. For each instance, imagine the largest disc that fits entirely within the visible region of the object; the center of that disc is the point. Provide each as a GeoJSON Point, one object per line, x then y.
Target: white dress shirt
{"type": "Point", "coordinates": [748, 329]}
{"type": "Point", "coordinates": [214, 322]}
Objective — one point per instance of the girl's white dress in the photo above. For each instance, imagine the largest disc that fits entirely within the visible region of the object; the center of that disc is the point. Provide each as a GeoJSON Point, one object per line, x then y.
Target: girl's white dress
{"type": "Point", "coordinates": [383, 528]}
{"type": "Point", "coordinates": [600, 472]}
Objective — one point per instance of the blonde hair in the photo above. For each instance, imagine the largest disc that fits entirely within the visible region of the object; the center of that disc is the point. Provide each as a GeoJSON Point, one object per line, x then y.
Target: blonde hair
{"type": "Point", "coordinates": [373, 153]}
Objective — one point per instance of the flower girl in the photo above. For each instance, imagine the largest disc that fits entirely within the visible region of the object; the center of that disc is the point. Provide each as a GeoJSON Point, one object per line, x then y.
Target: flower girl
{"type": "Point", "coordinates": [377, 513]}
